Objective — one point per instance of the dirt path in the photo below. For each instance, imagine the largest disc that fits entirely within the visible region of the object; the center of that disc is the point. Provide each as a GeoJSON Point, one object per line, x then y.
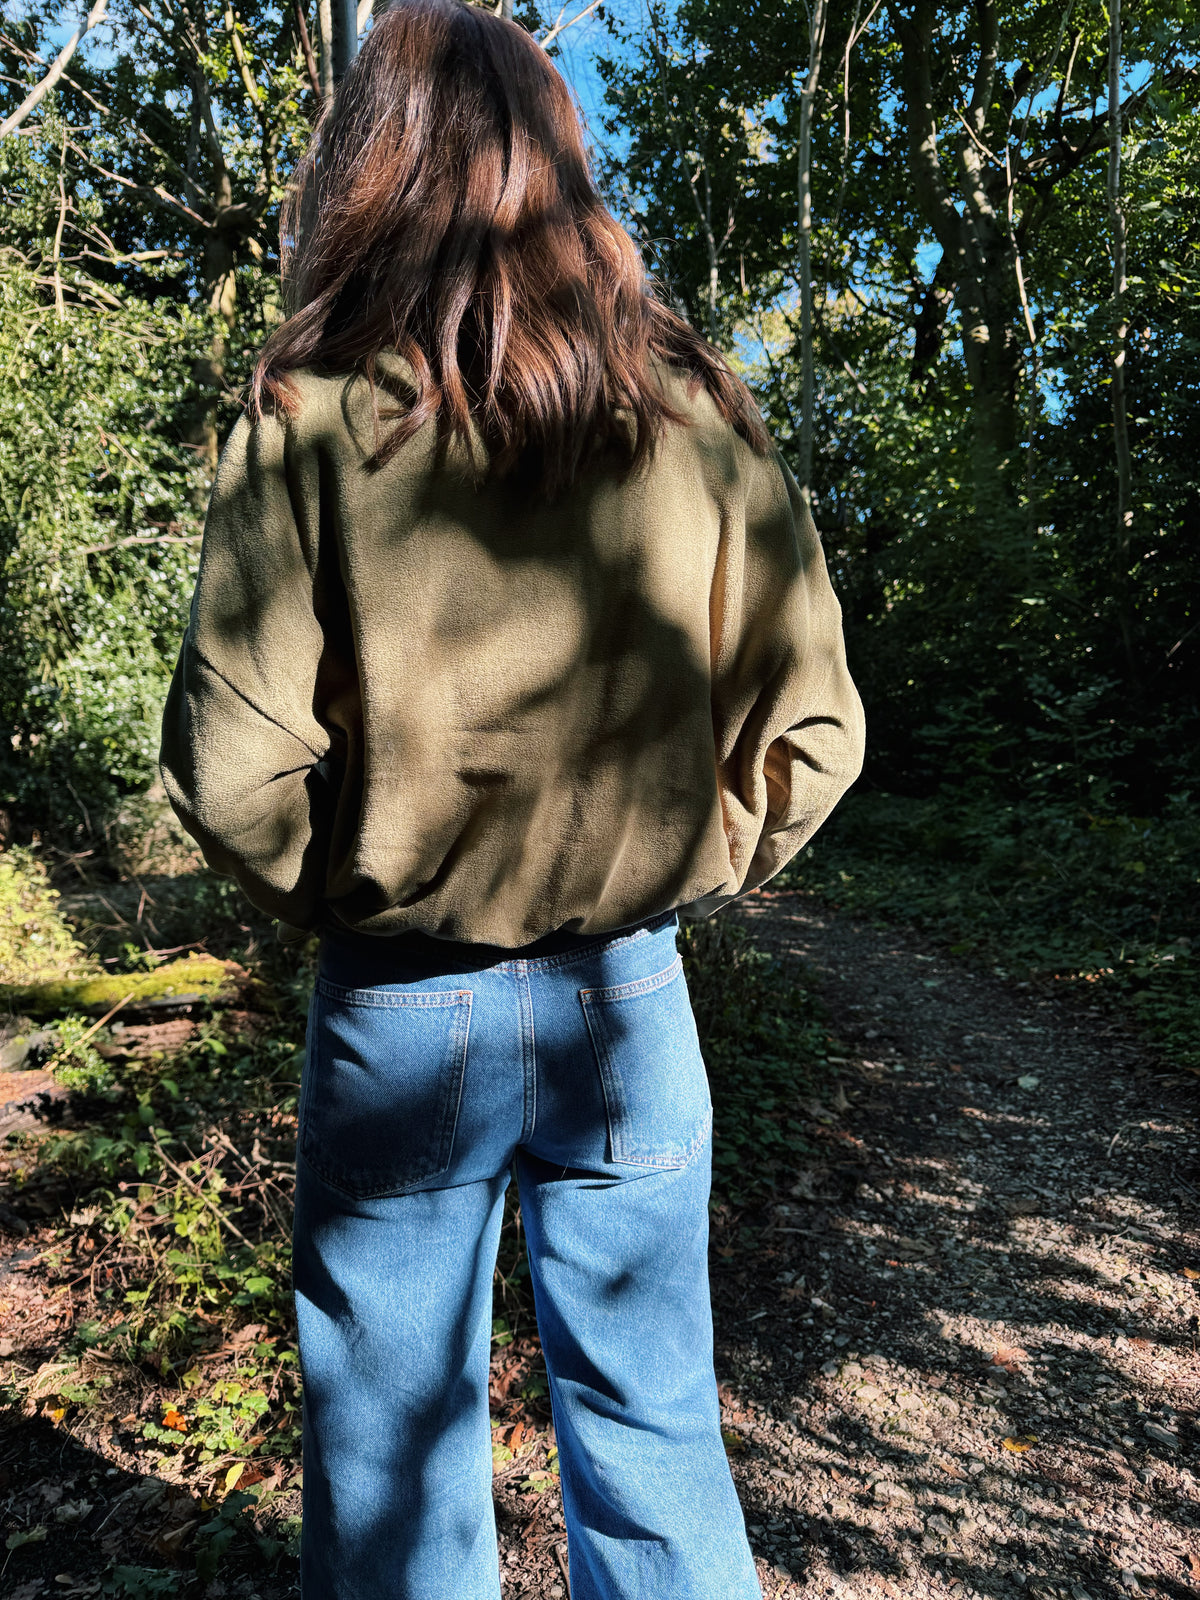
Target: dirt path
{"type": "Point", "coordinates": [962, 1360]}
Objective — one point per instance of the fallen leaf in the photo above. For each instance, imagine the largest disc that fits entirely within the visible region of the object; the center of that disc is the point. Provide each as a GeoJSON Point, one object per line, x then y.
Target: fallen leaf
{"type": "Point", "coordinates": [1007, 1356]}
{"type": "Point", "coordinates": [57, 1414]}
{"type": "Point", "coordinates": [234, 1473]}
{"type": "Point", "coordinates": [1191, 1272]}
{"type": "Point", "coordinates": [174, 1419]}
{"type": "Point", "coordinates": [1019, 1443]}
{"type": "Point", "coordinates": [26, 1536]}
{"type": "Point", "coordinates": [72, 1511]}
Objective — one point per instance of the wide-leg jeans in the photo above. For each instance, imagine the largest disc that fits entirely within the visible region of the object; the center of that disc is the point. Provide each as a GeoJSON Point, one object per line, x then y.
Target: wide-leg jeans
{"type": "Point", "coordinates": [428, 1082]}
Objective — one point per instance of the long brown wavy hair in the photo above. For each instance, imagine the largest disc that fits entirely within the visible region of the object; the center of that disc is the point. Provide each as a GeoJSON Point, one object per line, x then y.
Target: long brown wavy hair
{"type": "Point", "coordinates": [446, 211]}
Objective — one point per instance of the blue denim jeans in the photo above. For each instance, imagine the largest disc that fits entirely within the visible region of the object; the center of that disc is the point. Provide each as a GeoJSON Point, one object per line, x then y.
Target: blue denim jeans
{"type": "Point", "coordinates": [432, 1077]}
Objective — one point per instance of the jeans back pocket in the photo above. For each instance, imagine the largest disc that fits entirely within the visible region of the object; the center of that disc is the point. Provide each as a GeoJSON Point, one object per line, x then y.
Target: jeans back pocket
{"type": "Point", "coordinates": [382, 1084]}
{"type": "Point", "coordinates": [655, 1086]}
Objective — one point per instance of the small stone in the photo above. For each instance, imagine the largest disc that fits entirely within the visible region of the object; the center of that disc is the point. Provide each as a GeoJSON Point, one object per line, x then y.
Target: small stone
{"type": "Point", "coordinates": [1163, 1435]}
{"type": "Point", "coordinates": [939, 1524]}
{"type": "Point", "coordinates": [886, 1493]}
{"type": "Point", "coordinates": [1129, 1581]}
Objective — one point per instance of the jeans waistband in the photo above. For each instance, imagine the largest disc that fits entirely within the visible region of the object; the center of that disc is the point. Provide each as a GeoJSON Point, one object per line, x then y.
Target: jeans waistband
{"type": "Point", "coordinates": [375, 958]}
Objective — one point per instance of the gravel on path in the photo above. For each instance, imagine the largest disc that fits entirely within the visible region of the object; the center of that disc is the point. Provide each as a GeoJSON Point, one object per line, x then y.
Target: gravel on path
{"type": "Point", "coordinates": [960, 1357]}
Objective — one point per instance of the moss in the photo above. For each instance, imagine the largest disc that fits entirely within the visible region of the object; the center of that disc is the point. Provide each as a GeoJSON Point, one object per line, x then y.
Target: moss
{"type": "Point", "coordinates": [203, 976]}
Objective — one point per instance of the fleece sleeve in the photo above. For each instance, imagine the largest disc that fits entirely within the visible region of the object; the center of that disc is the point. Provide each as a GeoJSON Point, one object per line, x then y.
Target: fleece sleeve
{"type": "Point", "coordinates": [241, 745]}
{"type": "Point", "coordinates": [787, 718]}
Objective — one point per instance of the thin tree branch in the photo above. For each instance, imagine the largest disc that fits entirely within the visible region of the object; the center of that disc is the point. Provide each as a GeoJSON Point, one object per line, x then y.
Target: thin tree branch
{"type": "Point", "coordinates": [310, 60]}
{"type": "Point", "coordinates": [39, 92]}
{"type": "Point", "coordinates": [560, 26]}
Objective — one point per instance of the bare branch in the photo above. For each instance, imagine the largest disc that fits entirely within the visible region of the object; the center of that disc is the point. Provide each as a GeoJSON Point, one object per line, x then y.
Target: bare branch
{"type": "Point", "coordinates": [816, 41]}
{"type": "Point", "coordinates": [560, 26]}
{"type": "Point", "coordinates": [153, 192]}
{"type": "Point", "coordinates": [310, 60]}
{"type": "Point", "coordinates": [39, 92]}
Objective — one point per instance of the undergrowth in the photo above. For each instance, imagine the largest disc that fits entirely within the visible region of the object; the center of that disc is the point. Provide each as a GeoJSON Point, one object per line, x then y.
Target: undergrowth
{"type": "Point", "coordinates": [1103, 900]}
{"type": "Point", "coordinates": [170, 1168]}
{"type": "Point", "coordinates": [35, 939]}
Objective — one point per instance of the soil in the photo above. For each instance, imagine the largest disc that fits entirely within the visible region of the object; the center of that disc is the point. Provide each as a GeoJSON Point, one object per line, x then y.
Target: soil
{"type": "Point", "coordinates": [957, 1359]}
{"type": "Point", "coordinates": [962, 1360]}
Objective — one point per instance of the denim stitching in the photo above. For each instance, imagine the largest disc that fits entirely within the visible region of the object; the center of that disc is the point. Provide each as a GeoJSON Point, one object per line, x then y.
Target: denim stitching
{"type": "Point", "coordinates": [336, 1177]}
{"type": "Point", "coordinates": [629, 991]}
{"type": "Point", "coordinates": [665, 1164]}
{"type": "Point", "coordinates": [569, 957]}
{"type": "Point", "coordinates": [528, 1048]}
{"type": "Point", "coordinates": [378, 996]}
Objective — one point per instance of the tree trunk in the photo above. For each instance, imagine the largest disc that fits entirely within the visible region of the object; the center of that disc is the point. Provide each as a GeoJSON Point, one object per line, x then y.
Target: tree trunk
{"type": "Point", "coordinates": [325, 51]}
{"type": "Point", "coordinates": [816, 40]}
{"type": "Point", "coordinates": [1120, 411]}
{"type": "Point", "coordinates": [971, 229]}
{"type": "Point", "coordinates": [1120, 324]}
{"type": "Point", "coordinates": [345, 37]}
{"type": "Point", "coordinates": [220, 282]}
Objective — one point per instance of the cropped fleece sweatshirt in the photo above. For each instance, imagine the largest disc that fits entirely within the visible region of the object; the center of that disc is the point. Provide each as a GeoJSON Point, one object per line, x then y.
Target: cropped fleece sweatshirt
{"type": "Point", "coordinates": [406, 701]}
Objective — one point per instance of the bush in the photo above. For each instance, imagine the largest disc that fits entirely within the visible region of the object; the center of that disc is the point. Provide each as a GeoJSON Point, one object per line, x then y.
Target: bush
{"type": "Point", "coordinates": [35, 941]}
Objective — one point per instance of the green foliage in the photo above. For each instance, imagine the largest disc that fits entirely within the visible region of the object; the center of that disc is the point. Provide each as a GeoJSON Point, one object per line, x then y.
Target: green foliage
{"type": "Point", "coordinates": [34, 938]}
{"type": "Point", "coordinates": [765, 1048]}
{"type": "Point", "coordinates": [1104, 901]}
{"type": "Point", "coordinates": [99, 513]}
{"type": "Point", "coordinates": [164, 1164]}
{"type": "Point", "coordinates": [73, 1060]}
{"type": "Point", "coordinates": [140, 1583]}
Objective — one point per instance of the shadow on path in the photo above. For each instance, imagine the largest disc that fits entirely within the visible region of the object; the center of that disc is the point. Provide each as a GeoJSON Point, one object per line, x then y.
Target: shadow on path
{"type": "Point", "coordinates": [960, 1357]}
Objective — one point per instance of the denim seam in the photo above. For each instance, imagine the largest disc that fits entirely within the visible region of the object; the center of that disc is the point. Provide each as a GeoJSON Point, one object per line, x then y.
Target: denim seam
{"type": "Point", "coordinates": [344, 1182]}
{"type": "Point", "coordinates": [528, 1049]}
{"type": "Point", "coordinates": [390, 998]}
{"type": "Point", "coordinates": [586, 951]}
{"type": "Point", "coordinates": [630, 991]}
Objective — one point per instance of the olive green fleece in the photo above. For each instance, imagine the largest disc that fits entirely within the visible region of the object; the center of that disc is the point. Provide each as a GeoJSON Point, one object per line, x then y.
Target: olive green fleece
{"type": "Point", "coordinates": [406, 701]}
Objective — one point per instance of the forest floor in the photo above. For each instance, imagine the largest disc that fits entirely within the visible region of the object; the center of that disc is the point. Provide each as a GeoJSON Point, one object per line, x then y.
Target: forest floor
{"type": "Point", "coordinates": [958, 1358]}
